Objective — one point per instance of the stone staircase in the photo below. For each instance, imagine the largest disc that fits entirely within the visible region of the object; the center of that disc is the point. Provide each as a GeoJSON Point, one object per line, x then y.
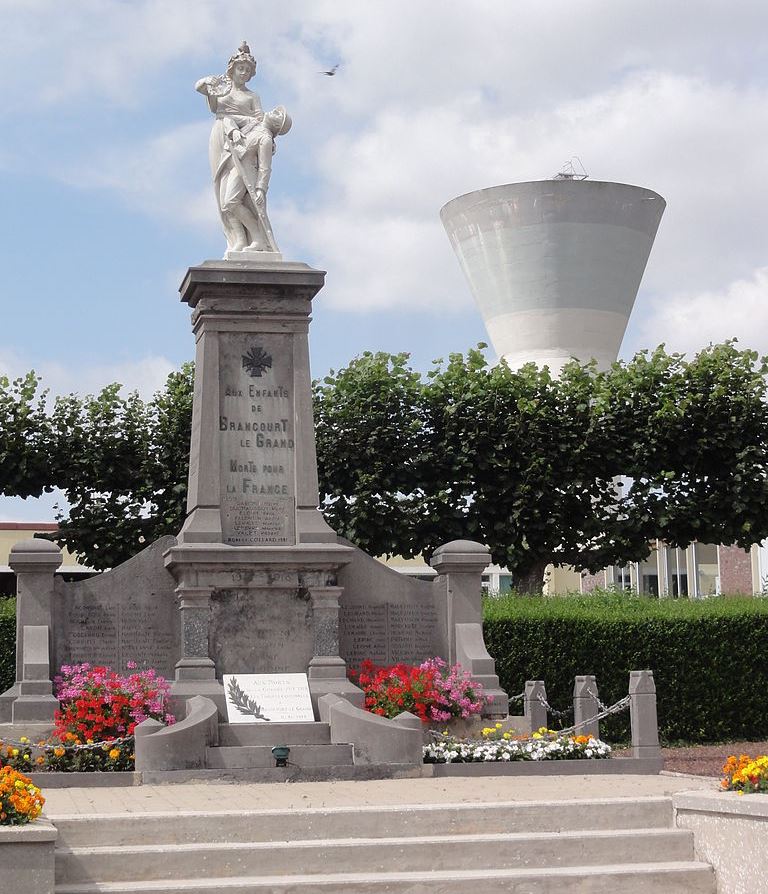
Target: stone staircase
{"type": "Point", "coordinates": [248, 746]}
{"type": "Point", "coordinates": [616, 846]}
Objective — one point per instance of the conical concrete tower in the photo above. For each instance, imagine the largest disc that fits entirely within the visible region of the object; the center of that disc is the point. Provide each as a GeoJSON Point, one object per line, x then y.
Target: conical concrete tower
{"type": "Point", "coordinates": [554, 265]}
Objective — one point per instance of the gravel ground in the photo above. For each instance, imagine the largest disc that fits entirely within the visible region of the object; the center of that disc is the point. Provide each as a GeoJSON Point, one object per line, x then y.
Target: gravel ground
{"type": "Point", "coordinates": [708, 760]}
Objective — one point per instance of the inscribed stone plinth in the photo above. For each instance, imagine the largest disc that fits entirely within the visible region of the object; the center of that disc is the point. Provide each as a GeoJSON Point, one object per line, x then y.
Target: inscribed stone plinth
{"type": "Point", "coordinates": [257, 439]}
{"type": "Point", "coordinates": [388, 617]}
{"type": "Point", "coordinates": [128, 614]}
{"type": "Point", "coordinates": [260, 630]}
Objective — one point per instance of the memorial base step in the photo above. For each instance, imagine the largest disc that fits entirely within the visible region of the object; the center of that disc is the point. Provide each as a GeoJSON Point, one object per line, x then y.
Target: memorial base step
{"type": "Point", "coordinates": [231, 734]}
{"type": "Point", "coordinates": [652, 878]}
{"type": "Point", "coordinates": [607, 846]}
{"type": "Point", "coordinates": [246, 757]}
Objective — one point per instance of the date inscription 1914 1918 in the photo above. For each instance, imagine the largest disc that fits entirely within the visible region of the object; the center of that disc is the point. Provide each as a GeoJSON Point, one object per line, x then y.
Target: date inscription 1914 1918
{"type": "Point", "coordinates": [256, 431]}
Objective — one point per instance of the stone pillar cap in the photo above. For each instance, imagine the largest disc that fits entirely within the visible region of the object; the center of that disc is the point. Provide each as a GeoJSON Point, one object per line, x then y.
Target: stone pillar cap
{"type": "Point", "coordinates": [37, 551]}
{"type": "Point", "coordinates": [461, 552]}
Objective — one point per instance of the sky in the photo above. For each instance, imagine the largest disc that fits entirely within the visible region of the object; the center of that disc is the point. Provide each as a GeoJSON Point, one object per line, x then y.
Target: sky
{"type": "Point", "coordinates": [105, 186]}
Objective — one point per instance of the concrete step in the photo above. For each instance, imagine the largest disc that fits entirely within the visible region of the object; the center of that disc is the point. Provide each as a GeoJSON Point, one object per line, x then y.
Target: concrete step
{"type": "Point", "coordinates": [274, 734]}
{"type": "Point", "coordinates": [663, 878]}
{"type": "Point", "coordinates": [378, 821]}
{"type": "Point", "coordinates": [360, 855]}
{"type": "Point", "coordinates": [252, 756]}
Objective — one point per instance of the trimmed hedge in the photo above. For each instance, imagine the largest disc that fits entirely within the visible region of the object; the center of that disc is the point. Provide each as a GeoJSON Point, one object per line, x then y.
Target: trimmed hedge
{"type": "Point", "coordinates": [708, 658]}
{"type": "Point", "coordinates": [7, 643]}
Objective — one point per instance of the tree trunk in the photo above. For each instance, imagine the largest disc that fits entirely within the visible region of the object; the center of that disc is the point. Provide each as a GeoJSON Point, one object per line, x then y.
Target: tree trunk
{"type": "Point", "coordinates": [531, 580]}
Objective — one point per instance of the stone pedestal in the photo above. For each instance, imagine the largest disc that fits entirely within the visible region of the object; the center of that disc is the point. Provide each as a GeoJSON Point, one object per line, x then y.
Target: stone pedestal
{"type": "Point", "coordinates": [255, 563]}
{"type": "Point", "coordinates": [459, 566]}
{"type": "Point", "coordinates": [253, 467]}
{"type": "Point", "coordinates": [31, 698]}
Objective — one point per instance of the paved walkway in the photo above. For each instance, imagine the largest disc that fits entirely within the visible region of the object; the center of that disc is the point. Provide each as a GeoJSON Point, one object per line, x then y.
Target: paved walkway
{"type": "Point", "coordinates": [271, 796]}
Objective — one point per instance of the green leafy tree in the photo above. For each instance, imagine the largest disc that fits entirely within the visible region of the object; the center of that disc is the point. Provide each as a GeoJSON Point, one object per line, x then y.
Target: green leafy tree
{"type": "Point", "coordinates": [26, 444]}
{"type": "Point", "coordinates": [520, 460]}
{"type": "Point", "coordinates": [124, 466]}
{"type": "Point", "coordinates": [530, 464]}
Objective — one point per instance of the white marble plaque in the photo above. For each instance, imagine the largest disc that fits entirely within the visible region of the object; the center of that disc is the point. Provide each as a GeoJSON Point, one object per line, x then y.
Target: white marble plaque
{"type": "Point", "coordinates": [261, 698]}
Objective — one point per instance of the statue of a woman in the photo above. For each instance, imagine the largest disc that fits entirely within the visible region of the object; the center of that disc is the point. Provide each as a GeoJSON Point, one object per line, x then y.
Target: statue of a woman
{"type": "Point", "coordinates": [240, 152]}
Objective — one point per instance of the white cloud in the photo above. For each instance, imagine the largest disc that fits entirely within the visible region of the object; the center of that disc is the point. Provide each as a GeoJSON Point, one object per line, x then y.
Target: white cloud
{"type": "Point", "coordinates": [375, 222]}
{"type": "Point", "coordinates": [687, 322]}
{"type": "Point", "coordinates": [145, 375]}
{"type": "Point", "coordinates": [432, 99]}
{"type": "Point", "coordinates": [153, 175]}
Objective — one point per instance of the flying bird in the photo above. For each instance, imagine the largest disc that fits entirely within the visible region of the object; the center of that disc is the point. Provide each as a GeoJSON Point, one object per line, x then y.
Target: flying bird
{"type": "Point", "coordinates": [331, 71]}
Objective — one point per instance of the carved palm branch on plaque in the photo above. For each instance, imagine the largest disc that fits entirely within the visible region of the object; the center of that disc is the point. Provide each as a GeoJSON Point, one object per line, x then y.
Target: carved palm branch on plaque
{"type": "Point", "coordinates": [244, 703]}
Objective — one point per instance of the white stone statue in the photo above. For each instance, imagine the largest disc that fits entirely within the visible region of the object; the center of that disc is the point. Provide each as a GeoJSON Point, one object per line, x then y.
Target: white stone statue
{"type": "Point", "coordinates": [240, 150]}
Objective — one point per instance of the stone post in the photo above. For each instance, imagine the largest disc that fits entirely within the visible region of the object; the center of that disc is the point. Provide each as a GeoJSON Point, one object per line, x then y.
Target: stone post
{"type": "Point", "coordinates": [195, 670]}
{"type": "Point", "coordinates": [642, 709]}
{"type": "Point", "coordinates": [460, 565]}
{"type": "Point", "coordinates": [585, 705]}
{"type": "Point", "coordinates": [31, 699]}
{"type": "Point", "coordinates": [327, 670]}
{"type": "Point", "coordinates": [535, 711]}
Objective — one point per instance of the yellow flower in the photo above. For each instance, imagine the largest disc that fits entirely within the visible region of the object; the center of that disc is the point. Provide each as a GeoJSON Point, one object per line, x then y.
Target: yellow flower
{"type": "Point", "coordinates": [507, 736]}
{"type": "Point", "coordinates": [59, 752]}
{"type": "Point", "coordinates": [24, 740]}
{"type": "Point", "coordinates": [536, 736]}
{"type": "Point", "coordinates": [15, 752]}
{"type": "Point", "coordinates": [114, 754]}
{"type": "Point", "coordinates": [498, 726]}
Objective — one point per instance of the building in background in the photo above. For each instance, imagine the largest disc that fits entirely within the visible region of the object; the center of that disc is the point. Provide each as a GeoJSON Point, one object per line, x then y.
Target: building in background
{"type": "Point", "coordinates": [14, 532]}
{"type": "Point", "coordinates": [701, 570]}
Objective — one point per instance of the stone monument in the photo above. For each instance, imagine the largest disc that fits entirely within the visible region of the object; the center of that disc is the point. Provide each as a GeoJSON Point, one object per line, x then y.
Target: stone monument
{"type": "Point", "coordinates": [255, 582]}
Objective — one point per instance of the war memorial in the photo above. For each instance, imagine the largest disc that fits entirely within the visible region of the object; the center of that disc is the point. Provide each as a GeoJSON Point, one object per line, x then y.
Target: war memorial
{"type": "Point", "coordinates": [257, 588]}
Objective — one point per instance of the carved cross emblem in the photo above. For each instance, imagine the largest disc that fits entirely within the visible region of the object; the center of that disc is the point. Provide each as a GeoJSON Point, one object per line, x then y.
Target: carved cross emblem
{"type": "Point", "coordinates": [256, 361]}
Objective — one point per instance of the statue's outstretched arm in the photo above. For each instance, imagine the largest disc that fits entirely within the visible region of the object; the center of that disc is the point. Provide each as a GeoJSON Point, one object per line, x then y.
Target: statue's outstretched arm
{"type": "Point", "coordinates": [204, 86]}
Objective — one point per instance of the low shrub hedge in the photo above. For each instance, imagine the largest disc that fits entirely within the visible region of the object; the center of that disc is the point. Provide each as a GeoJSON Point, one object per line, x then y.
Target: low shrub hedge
{"type": "Point", "coordinates": [708, 657]}
{"type": "Point", "coordinates": [7, 642]}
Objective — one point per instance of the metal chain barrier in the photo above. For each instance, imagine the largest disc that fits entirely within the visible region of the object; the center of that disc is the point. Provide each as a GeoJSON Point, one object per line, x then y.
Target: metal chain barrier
{"type": "Point", "coordinates": [517, 698]}
{"type": "Point", "coordinates": [620, 706]}
{"type": "Point", "coordinates": [551, 710]}
{"type": "Point", "coordinates": [53, 746]}
{"type": "Point", "coordinates": [600, 705]}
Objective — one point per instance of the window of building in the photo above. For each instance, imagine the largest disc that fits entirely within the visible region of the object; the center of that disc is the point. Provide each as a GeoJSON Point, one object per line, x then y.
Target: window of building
{"type": "Point", "coordinates": [707, 569]}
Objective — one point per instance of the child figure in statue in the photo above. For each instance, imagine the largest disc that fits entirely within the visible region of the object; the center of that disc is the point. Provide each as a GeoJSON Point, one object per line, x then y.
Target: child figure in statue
{"type": "Point", "coordinates": [240, 152]}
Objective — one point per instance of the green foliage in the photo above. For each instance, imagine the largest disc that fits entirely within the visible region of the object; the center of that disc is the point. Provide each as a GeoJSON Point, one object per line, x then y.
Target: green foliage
{"type": "Point", "coordinates": [7, 643]}
{"type": "Point", "coordinates": [707, 657]}
{"type": "Point", "coordinates": [519, 460]}
{"type": "Point", "coordinates": [26, 445]}
{"type": "Point", "coordinates": [526, 463]}
{"type": "Point", "coordinates": [126, 478]}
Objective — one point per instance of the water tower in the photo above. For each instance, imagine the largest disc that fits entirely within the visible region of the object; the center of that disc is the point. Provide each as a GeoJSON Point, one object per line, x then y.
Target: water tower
{"type": "Point", "coordinates": [555, 265]}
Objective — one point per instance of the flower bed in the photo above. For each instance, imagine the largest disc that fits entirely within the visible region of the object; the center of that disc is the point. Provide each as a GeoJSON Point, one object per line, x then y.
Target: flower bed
{"type": "Point", "coordinates": [432, 690]}
{"type": "Point", "coordinates": [94, 726]}
{"type": "Point", "coordinates": [746, 775]}
{"type": "Point", "coordinates": [495, 745]}
{"type": "Point", "coordinates": [20, 799]}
